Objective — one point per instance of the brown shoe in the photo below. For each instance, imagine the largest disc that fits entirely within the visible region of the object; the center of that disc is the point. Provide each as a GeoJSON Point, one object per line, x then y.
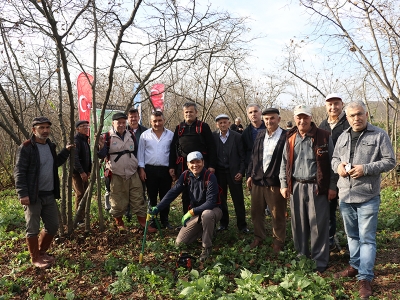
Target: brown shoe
{"type": "Point", "coordinates": [120, 225]}
{"type": "Point", "coordinates": [256, 243]}
{"type": "Point", "coordinates": [277, 248]}
{"type": "Point", "coordinates": [142, 222]}
{"type": "Point", "coordinates": [365, 289]}
{"type": "Point", "coordinates": [349, 272]}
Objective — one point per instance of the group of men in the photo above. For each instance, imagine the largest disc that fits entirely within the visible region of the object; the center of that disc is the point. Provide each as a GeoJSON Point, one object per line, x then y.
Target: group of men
{"type": "Point", "coordinates": [300, 164]}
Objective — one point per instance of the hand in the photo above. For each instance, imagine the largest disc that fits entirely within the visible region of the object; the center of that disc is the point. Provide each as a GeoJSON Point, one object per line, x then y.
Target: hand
{"type": "Point", "coordinates": [84, 177]}
{"type": "Point", "coordinates": [341, 170]}
{"type": "Point", "coordinates": [357, 171]}
{"type": "Point", "coordinates": [249, 183]}
{"type": "Point", "coordinates": [186, 218]}
{"type": "Point", "coordinates": [153, 210]}
{"type": "Point", "coordinates": [331, 194]}
{"type": "Point", "coordinates": [101, 142]}
{"type": "Point", "coordinates": [238, 177]}
{"type": "Point", "coordinates": [25, 200]}
{"type": "Point", "coordinates": [69, 146]}
{"type": "Point", "coordinates": [142, 174]}
{"type": "Point", "coordinates": [285, 193]}
{"type": "Point", "coordinates": [172, 174]}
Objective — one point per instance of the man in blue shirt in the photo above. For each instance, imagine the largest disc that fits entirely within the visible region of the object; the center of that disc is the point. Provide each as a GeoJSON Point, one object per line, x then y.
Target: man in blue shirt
{"type": "Point", "coordinates": [204, 211]}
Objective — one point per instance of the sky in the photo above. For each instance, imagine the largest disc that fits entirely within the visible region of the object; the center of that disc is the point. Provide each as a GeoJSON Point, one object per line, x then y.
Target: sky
{"type": "Point", "coordinates": [278, 20]}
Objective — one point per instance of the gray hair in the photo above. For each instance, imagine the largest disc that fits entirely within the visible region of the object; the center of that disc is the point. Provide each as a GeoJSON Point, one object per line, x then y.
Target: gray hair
{"type": "Point", "coordinates": [355, 104]}
{"type": "Point", "coordinates": [253, 105]}
{"type": "Point", "coordinates": [238, 119]}
{"type": "Point", "coordinates": [189, 104]}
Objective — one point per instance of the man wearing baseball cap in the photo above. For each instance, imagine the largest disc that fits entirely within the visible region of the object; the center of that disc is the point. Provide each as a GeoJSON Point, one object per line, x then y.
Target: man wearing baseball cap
{"type": "Point", "coordinates": [335, 123]}
{"type": "Point", "coordinates": [204, 211]}
{"type": "Point", "coordinates": [38, 185]}
{"type": "Point", "coordinates": [125, 185]}
{"type": "Point", "coordinates": [307, 179]}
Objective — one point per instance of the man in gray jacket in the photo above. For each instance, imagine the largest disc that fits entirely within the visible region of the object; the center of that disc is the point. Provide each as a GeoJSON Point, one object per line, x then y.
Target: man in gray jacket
{"type": "Point", "coordinates": [361, 154]}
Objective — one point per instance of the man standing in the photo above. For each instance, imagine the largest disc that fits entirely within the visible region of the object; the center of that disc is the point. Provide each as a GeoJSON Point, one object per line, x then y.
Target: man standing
{"type": "Point", "coordinates": [205, 213]}
{"type": "Point", "coordinates": [336, 123]}
{"type": "Point", "coordinates": [153, 156]}
{"type": "Point", "coordinates": [263, 181]}
{"type": "Point", "coordinates": [38, 185]}
{"type": "Point", "coordinates": [306, 177]}
{"type": "Point", "coordinates": [82, 164]}
{"type": "Point", "coordinates": [230, 171]}
{"type": "Point", "coordinates": [361, 154]}
{"type": "Point", "coordinates": [137, 129]}
{"type": "Point", "coordinates": [251, 131]}
{"type": "Point", "coordinates": [191, 135]}
{"type": "Point", "coordinates": [237, 126]}
{"type": "Point", "coordinates": [125, 185]}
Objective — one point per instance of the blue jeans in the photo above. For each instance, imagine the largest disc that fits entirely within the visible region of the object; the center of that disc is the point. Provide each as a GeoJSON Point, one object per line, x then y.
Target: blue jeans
{"type": "Point", "coordinates": [360, 222]}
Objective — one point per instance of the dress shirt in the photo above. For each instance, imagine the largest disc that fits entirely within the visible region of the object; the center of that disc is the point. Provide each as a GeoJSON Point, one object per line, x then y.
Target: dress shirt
{"type": "Point", "coordinates": [223, 138]}
{"type": "Point", "coordinates": [305, 164]}
{"type": "Point", "coordinates": [270, 142]}
{"type": "Point", "coordinates": [153, 150]}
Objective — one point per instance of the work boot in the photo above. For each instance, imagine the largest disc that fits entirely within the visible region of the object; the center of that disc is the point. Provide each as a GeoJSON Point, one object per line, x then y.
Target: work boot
{"type": "Point", "coordinates": [205, 253]}
{"type": "Point", "coordinates": [45, 241]}
{"type": "Point", "coordinates": [365, 289]}
{"type": "Point", "coordinates": [33, 247]}
{"type": "Point", "coordinates": [277, 248]}
{"type": "Point", "coordinates": [256, 243]}
{"type": "Point", "coordinates": [348, 272]}
{"type": "Point", "coordinates": [142, 222]}
{"type": "Point", "coordinates": [120, 225]}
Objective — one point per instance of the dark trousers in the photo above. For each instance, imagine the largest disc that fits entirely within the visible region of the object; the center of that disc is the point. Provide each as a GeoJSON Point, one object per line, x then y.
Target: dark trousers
{"type": "Point", "coordinates": [158, 183]}
{"type": "Point", "coordinates": [225, 180]}
{"type": "Point", "coordinates": [79, 189]}
{"type": "Point", "coordinates": [332, 216]}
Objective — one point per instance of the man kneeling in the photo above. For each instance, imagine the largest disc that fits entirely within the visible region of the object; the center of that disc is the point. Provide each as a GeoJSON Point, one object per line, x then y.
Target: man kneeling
{"type": "Point", "coordinates": [204, 211]}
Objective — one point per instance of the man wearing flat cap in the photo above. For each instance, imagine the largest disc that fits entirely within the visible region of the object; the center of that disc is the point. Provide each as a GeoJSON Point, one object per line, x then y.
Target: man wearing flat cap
{"type": "Point", "coordinates": [38, 185]}
{"type": "Point", "coordinates": [263, 181]}
{"type": "Point", "coordinates": [119, 147]}
{"type": "Point", "coordinates": [82, 164]}
{"type": "Point", "coordinates": [230, 171]}
{"type": "Point", "coordinates": [307, 178]}
{"type": "Point", "coordinates": [336, 124]}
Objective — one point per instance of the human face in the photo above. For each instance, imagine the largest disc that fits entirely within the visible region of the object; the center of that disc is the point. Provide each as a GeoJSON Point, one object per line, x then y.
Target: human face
{"type": "Point", "coordinates": [119, 125]}
{"type": "Point", "coordinates": [189, 114]}
{"type": "Point", "coordinates": [334, 107]}
{"type": "Point", "coordinates": [84, 129]}
{"type": "Point", "coordinates": [254, 115]}
{"type": "Point", "coordinates": [195, 166]}
{"type": "Point", "coordinates": [271, 121]}
{"type": "Point", "coordinates": [133, 119]}
{"type": "Point", "coordinates": [223, 125]}
{"type": "Point", "coordinates": [41, 132]}
{"type": "Point", "coordinates": [157, 123]}
{"type": "Point", "coordinates": [358, 118]}
{"type": "Point", "coordinates": [303, 123]}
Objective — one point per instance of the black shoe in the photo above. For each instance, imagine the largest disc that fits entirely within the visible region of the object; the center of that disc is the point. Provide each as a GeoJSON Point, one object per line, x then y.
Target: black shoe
{"type": "Point", "coordinates": [244, 230]}
{"type": "Point", "coordinates": [222, 228]}
{"type": "Point", "coordinates": [166, 225]}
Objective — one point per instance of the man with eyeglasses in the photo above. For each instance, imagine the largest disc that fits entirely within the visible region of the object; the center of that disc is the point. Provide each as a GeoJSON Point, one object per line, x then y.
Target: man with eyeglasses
{"type": "Point", "coordinates": [82, 164]}
{"type": "Point", "coordinates": [361, 154]}
{"type": "Point", "coordinates": [153, 156]}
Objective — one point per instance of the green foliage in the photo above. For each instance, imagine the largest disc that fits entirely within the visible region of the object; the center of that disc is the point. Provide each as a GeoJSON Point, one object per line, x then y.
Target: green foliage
{"type": "Point", "coordinates": [389, 211]}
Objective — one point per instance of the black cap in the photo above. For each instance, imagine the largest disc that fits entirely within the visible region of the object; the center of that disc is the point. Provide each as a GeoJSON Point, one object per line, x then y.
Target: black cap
{"type": "Point", "coordinates": [270, 110]}
{"type": "Point", "coordinates": [40, 120]}
{"type": "Point", "coordinates": [119, 115]}
{"type": "Point", "coordinates": [80, 122]}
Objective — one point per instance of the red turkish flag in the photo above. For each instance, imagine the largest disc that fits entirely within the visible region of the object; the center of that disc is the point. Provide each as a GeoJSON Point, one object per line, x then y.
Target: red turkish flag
{"type": "Point", "coordinates": [84, 95]}
{"type": "Point", "coordinates": [157, 96]}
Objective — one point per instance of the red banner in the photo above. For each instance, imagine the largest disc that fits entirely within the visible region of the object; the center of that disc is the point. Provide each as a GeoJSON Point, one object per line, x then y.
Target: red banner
{"type": "Point", "coordinates": [84, 95]}
{"type": "Point", "coordinates": [157, 96]}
